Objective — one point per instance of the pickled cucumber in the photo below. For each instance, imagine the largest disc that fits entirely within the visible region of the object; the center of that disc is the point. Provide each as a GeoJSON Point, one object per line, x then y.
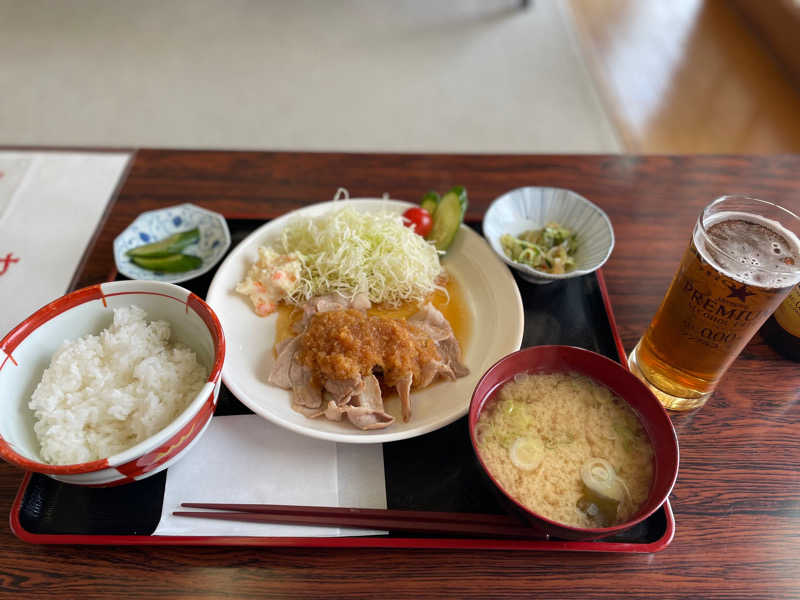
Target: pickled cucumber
{"type": "Point", "coordinates": [174, 263]}
{"type": "Point", "coordinates": [170, 245]}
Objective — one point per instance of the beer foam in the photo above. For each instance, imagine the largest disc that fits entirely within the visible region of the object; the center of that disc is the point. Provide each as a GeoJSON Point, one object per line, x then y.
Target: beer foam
{"type": "Point", "coordinates": [750, 249]}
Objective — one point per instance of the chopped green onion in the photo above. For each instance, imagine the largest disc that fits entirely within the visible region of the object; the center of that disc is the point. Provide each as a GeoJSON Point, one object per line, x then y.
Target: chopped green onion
{"type": "Point", "coordinates": [527, 452]}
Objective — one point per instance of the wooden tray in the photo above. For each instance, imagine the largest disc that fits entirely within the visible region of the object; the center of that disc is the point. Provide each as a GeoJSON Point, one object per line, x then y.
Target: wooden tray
{"type": "Point", "coordinates": [418, 474]}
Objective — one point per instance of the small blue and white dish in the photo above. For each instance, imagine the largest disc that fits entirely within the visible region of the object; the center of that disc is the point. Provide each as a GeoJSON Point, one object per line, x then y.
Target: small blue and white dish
{"type": "Point", "coordinates": [155, 225]}
{"type": "Point", "coordinates": [532, 208]}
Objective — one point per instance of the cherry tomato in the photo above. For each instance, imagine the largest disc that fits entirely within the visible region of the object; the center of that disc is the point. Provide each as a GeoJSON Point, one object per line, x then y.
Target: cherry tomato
{"type": "Point", "coordinates": [420, 219]}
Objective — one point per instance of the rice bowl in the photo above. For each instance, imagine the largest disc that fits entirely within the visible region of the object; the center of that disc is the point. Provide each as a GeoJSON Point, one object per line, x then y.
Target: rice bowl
{"type": "Point", "coordinates": [102, 394]}
{"type": "Point", "coordinates": [27, 350]}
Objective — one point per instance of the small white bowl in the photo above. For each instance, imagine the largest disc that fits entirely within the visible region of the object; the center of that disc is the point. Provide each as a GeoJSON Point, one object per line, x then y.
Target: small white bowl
{"type": "Point", "coordinates": [27, 349]}
{"type": "Point", "coordinates": [532, 208]}
{"type": "Point", "coordinates": [155, 225]}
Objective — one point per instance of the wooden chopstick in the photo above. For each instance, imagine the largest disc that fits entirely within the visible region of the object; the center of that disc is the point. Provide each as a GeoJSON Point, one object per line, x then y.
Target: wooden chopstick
{"type": "Point", "coordinates": [408, 521]}
{"type": "Point", "coordinates": [367, 513]}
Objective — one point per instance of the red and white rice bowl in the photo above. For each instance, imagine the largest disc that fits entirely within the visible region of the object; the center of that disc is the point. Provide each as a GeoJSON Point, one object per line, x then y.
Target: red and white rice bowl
{"type": "Point", "coordinates": [27, 349]}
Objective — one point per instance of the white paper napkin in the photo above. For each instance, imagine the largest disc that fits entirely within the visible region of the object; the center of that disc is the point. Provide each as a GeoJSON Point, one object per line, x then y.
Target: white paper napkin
{"type": "Point", "coordinates": [12, 171]}
{"type": "Point", "coordinates": [245, 459]}
{"type": "Point", "coordinates": [50, 204]}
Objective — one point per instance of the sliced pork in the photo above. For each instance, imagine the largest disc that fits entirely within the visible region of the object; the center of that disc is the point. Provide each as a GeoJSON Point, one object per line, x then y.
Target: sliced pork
{"type": "Point", "coordinates": [403, 388]}
{"type": "Point", "coordinates": [368, 419]}
{"type": "Point", "coordinates": [331, 365]}
{"type": "Point", "coordinates": [433, 369]}
{"type": "Point", "coordinates": [329, 302]}
{"type": "Point", "coordinates": [344, 389]}
{"type": "Point", "coordinates": [279, 375]}
{"type": "Point", "coordinates": [432, 322]}
{"type": "Point", "coordinates": [311, 413]}
{"type": "Point", "coordinates": [306, 390]}
{"type": "Point", "coordinates": [366, 410]}
{"type": "Point", "coordinates": [451, 356]}
{"type": "Point", "coordinates": [334, 412]}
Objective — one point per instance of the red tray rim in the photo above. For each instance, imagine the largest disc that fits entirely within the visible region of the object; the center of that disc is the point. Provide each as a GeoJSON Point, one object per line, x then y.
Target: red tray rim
{"type": "Point", "coordinates": [357, 541]}
{"type": "Point", "coordinates": [334, 542]}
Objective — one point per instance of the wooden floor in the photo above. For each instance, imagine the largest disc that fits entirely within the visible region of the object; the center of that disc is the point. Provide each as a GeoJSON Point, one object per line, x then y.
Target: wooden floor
{"type": "Point", "coordinates": [687, 76]}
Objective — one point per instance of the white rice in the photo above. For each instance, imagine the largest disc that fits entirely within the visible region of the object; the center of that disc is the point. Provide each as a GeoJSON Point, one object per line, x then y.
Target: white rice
{"type": "Point", "coordinates": [105, 393]}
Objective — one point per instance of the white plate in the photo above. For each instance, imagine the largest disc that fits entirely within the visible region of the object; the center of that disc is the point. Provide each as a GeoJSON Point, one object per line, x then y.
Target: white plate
{"type": "Point", "coordinates": [490, 293]}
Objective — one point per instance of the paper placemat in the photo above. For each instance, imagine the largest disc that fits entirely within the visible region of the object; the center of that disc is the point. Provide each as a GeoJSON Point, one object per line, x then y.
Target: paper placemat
{"type": "Point", "coordinates": [50, 205]}
{"type": "Point", "coordinates": [246, 459]}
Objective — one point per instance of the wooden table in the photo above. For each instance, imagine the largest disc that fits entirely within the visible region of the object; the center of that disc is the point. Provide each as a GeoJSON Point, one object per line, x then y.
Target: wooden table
{"type": "Point", "coordinates": [737, 500]}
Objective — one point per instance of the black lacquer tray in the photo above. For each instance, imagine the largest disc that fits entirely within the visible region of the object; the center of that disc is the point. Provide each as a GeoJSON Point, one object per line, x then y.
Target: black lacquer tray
{"type": "Point", "coordinates": [419, 474]}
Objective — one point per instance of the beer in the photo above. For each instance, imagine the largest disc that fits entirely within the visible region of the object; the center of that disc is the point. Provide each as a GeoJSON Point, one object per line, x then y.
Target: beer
{"type": "Point", "coordinates": [738, 267]}
{"type": "Point", "coordinates": [782, 329]}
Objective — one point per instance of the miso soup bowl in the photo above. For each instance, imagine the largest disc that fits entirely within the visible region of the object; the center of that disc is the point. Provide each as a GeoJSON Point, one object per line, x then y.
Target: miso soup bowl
{"type": "Point", "coordinates": [27, 350]}
{"type": "Point", "coordinates": [567, 359]}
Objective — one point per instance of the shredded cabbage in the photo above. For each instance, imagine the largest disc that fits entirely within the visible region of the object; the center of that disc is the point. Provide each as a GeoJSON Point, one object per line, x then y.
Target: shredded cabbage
{"type": "Point", "coordinates": [352, 252]}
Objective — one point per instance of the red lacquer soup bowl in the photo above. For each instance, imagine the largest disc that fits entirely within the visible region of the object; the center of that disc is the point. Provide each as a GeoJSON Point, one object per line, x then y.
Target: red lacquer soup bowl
{"type": "Point", "coordinates": [615, 377]}
{"type": "Point", "coordinates": [26, 352]}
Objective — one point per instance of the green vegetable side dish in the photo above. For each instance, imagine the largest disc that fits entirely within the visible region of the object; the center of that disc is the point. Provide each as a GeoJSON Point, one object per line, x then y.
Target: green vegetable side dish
{"type": "Point", "coordinates": [174, 263]}
{"type": "Point", "coordinates": [166, 255]}
{"type": "Point", "coordinates": [550, 249]}
{"type": "Point", "coordinates": [430, 202]}
{"type": "Point", "coordinates": [448, 216]}
{"type": "Point", "coordinates": [461, 192]}
{"type": "Point", "coordinates": [170, 245]}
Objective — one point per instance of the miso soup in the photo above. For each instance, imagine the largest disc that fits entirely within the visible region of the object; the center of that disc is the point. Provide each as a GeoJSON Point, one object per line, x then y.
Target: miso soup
{"type": "Point", "coordinates": [567, 448]}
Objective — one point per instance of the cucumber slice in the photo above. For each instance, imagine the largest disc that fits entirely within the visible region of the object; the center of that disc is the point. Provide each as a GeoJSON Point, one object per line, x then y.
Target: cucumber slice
{"type": "Point", "coordinates": [446, 221]}
{"type": "Point", "coordinates": [174, 263]}
{"type": "Point", "coordinates": [461, 192]}
{"type": "Point", "coordinates": [170, 245]}
{"type": "Point", "coordinates": [430, 202]}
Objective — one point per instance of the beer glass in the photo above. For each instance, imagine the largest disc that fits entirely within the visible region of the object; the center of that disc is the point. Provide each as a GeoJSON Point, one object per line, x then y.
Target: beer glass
{"type": "Point", "coordinates": [742, 261]}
